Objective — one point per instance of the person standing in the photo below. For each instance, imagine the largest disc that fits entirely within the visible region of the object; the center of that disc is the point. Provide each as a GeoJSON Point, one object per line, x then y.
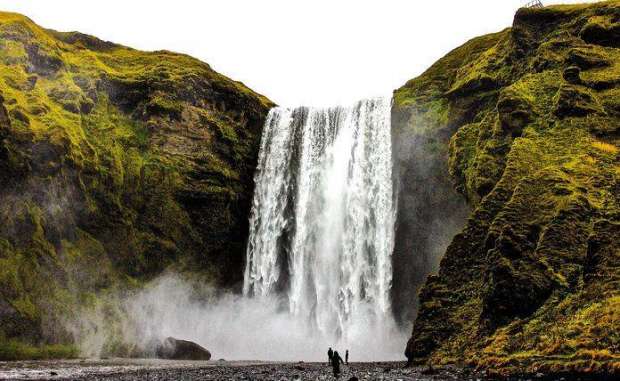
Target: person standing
{"type": "Point", "coordinates": [336, 361]}
{"type": "Point", "coordinates": [346, 357]}
{"type": "Point", "coordinates": [330, 356]}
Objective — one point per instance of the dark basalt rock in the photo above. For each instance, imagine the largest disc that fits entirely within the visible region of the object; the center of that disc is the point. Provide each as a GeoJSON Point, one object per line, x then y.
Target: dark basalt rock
{"type": "Point", "coordinates": [573, 101]}
{"type": "Point", "coordinates": [603, 31]}
{"type": "Point", "coordinates": [175, 349]}
{"type": "Point", "coordinates": [513, 289]}
{"type": "Point", "coordinates": [571, 74]}
{"type": "Point", "coordinates": [42, 62]}
{"type": "Point", "coordinates": [515, 112]}
{"type": "Point", "coordinates": [587, 59]}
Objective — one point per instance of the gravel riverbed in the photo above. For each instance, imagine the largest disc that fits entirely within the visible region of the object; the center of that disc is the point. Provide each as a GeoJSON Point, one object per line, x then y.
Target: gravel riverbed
{"type": "Point", "coordinates": [130, 370]}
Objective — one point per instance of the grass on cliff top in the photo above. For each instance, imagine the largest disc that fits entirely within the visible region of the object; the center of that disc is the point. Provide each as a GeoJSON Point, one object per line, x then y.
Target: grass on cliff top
{"type": "Point", "coordinates": [85, 51]}
{"type": "Point", "coordinates": [438, 79]}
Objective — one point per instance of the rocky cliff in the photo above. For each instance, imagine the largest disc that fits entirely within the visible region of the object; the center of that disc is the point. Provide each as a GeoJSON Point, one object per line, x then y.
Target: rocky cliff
{"type": "Point", "coordinates": [114, 165]}
{"type": "Point", "coordinates": [529, 120]}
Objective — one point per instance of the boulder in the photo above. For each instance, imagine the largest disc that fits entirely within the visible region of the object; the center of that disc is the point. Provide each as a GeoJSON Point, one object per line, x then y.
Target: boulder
{"type": "Point", "coordinates": [175, 349]}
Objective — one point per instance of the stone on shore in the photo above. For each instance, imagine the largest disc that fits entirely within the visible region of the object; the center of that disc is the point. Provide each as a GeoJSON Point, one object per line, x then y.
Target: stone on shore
{"type": "Point", "coordinates": [175, 349]}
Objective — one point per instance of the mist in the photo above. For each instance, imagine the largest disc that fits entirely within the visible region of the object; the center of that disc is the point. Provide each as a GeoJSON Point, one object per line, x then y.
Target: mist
{"type": "Point", "coordinates": [230, 326]}
{"type": "Point", "coordinates": [430, 211]}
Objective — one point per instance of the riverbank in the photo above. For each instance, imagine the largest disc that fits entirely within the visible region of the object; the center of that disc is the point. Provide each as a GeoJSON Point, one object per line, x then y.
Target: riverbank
{"type": "Point", "coordinates": [153, 369]}
{"type": "Point", "coordinates": [142, 369]}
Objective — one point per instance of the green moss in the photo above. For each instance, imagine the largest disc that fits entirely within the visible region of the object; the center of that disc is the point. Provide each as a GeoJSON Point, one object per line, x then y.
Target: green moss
{"type": "Point", "coordinates": [441, 76]}
{"type": "Point", "coordinates": [533, 277]}
{"type": "Point", "coordinates": [115, 165]}
{"type": "Point", "coordinates": [13, 350]}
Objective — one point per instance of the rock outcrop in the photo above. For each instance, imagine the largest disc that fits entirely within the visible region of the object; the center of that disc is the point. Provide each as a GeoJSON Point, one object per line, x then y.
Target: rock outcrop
{"type": "Point", "coordinates": [114, 165]}
{"type": "Point", "coordinates": [175, 349]}
{"type": "Point", "coordinates": [529, 121]}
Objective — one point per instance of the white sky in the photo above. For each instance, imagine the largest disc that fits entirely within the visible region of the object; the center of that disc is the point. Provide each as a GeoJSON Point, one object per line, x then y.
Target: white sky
{"type": "Point", "coordinates": [315, 52]}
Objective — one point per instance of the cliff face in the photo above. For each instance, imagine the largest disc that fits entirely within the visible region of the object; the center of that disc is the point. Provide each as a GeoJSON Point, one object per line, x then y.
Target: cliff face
{"type": "Point", "coordinates": [114, 165]}
{"type": "Point", "coordinates": [530, 120]}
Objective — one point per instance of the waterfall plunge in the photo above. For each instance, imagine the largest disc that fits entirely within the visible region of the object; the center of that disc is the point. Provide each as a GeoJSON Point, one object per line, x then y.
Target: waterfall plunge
{"type": "Point", "coordinates": [322, 222]}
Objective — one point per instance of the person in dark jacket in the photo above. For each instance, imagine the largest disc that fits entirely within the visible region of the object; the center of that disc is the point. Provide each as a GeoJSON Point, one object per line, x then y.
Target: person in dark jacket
{"type": "Point", "coordinates": [330, 356]}
{"type": "Point", "coordinates": [346, 357]}
{"type": "Point", "coordinates": [336, 361]}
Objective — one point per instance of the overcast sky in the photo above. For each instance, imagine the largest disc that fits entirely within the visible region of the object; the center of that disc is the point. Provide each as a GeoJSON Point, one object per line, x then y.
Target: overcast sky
{"type": "Point", "coordinates": [315, 52]}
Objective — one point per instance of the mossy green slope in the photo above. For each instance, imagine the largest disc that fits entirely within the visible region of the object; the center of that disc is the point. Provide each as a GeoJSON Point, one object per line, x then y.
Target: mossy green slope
{"type": "Point", "coordinates": [529, 120]}
{"type": "Point", "coordinates": [114, 165]}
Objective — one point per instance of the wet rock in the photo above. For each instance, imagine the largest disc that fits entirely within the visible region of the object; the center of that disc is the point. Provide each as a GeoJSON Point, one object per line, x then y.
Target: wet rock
{"type": "Point", "coordinates": [572, 74]}
{"type": "Point", "coordinates": [175, 349]}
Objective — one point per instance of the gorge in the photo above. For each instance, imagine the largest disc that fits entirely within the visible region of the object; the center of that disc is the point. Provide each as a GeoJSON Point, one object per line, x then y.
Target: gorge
{"type": "Point", "coordinates": [145, 195]}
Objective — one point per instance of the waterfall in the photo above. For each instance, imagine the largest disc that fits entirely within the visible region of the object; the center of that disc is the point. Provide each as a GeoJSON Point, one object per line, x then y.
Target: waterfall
{"type": "Point", "coordinates": [323, 213]}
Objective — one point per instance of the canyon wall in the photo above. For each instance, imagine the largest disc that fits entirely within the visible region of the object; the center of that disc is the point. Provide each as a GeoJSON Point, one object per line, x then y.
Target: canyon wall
{"type": "Point", "coordinates": [115, 164]}
{"type": "Point", "coordinates": [529, 118]}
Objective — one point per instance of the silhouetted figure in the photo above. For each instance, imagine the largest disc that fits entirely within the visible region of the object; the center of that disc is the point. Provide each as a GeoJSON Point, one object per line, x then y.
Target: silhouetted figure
{"type": "Point", "coordinates": [330, 356]}
{"type": "Point", "coordinates": [336, 361]}
{"type": "Point", "coordinates": [346, 357]}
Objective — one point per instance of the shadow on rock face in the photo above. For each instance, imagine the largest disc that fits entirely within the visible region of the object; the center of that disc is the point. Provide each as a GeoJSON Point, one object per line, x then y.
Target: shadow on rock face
{"type": "Point", "coordinates": [175, 349]}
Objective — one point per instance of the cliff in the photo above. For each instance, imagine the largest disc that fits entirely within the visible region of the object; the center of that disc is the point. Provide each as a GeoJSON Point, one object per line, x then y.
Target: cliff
{"type": "Point", "coordinates": [115, 164]}
{"type": "Point", "coordinates": [527, 121]}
